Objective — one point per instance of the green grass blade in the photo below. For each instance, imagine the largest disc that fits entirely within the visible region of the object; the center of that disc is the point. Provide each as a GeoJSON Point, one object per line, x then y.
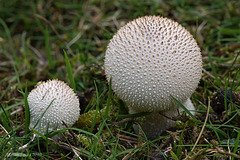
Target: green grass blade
{"type": "Point", "coordinates": [70, 73]}
{"type": "Point", "coordinates": [9, 39]}
{"type": "Point", "coordinates": [215, 131]}
{"type": "Point", "coordinates": [46, 139]}
{"type": "Point", "coordinates": [5, 91]}
{"type": "Point", "coordinates": [214, 70]}
{"type": "Point", "coordinates": [27, 112]}
{"type": "Point", "coordinates": [43, 113]}
{"type": "Point", "coordinates": [5, 120]}
{"type": "Point", "coordinates": [229, 31]}
{"type": "Point", "coordinates": [179, 143]}
{"type": "Point", "coordinates": [236, 144]}
{"type": "Point", "coordinates": [174, 156]}
{"type": "Point", "coordinates": [97, 109]}
{"type": "Point", "coordinates": [109, 97]}
{"type": "Point", "coordinates": [48, 51]}
{"type": "Point", "coordinates": [18, 80]}
{"type": "Point", "coordinates": [11, 106]}
{"type": "Point", "coordinates": [185, 109]}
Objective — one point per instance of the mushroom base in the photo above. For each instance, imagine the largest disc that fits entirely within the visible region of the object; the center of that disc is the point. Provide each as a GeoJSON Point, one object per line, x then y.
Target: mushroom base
{"type": "Point", "coordinates": [156, 123]}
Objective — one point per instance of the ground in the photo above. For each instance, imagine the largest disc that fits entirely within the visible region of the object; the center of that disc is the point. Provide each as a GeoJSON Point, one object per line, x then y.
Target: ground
{"type": "Point", "coordinates": [67, 40]}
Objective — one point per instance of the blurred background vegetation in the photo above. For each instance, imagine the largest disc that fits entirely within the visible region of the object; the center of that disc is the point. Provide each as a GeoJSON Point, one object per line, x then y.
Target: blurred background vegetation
{"type": "Point", "coordinates": [34, 35]}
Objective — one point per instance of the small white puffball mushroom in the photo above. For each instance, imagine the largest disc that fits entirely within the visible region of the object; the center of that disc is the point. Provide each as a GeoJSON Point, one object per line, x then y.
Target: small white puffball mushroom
{"type": "Point", "coordinates": [150, 60]}
{"type": "Point", "coordinates": [58, 101]}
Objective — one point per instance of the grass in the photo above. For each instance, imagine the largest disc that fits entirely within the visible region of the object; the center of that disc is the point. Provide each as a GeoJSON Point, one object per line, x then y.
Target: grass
{"type": "Point", "coordinates": [41, 40]}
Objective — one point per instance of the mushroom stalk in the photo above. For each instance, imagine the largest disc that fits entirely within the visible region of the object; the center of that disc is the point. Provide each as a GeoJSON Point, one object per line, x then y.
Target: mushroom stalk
{"type": "Point", "coordinates": [156, 123]}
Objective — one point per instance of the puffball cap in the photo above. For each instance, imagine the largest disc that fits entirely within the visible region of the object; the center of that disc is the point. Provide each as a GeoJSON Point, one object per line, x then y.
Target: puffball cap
{"type": "Point", "coordinates": [62, 102]}
{"type": "Point", "coordinates": [150, 60]}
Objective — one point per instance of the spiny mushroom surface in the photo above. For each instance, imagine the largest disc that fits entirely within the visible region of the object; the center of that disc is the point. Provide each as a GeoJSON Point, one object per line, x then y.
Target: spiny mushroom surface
{"type": "Point", "coordinates": [58, 100]}
{"type": "Point", "coordinates": [150, 60]}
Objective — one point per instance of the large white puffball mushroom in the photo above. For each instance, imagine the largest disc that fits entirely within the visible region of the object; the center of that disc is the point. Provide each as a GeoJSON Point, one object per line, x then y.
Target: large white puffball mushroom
{"type": "Point", "coordinates": [58, 101]}
{"type": "Point", "coordinates": [150, 60]}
